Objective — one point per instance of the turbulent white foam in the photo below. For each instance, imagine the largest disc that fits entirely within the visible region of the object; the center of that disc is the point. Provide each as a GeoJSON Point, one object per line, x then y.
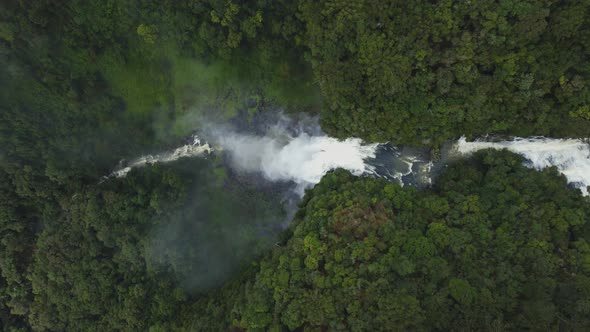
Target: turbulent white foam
{"type": "Point", "coordinates": [570, 156]}
{"type": "Point", "coordinates": [195, 148]}
{"type": "Point", "coordinates": [303, 159]}
{"type": "Point", "coordinates": [408, 161]}
{"type": "Point", "coordinates": [426, 172]}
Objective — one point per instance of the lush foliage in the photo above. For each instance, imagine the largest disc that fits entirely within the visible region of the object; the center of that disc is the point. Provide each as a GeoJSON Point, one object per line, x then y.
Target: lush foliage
{"type": "Point", "coordinates": [426, 71]}
{"type": "Point", "coordinates": [126, 254]}
{"type": "Point", "coordinates": [84, 84]}
{"type": "Point", "coordinates": [87, 83]}
{"type": "Point", "coordinates": [493, 246]}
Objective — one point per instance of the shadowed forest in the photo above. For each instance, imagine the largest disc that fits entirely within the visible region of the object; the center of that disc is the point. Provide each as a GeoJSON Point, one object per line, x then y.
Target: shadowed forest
{"type": "Point", "coordinates": [192, 246]}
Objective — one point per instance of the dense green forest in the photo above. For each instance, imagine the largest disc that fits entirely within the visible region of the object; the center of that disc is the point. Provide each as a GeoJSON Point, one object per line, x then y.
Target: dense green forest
{"type": "Point", "coordinates": [85, 84]}
{"type": "Point", "coordinates": [492, 246]}
{"type": "Point", "coordinates": [417, 72]}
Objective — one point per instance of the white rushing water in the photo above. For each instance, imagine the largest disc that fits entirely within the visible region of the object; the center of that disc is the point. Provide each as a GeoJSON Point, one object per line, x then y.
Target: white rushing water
{"type": "Point", "coordinates": [571, 157]}
{"type": "Point", "coordinates": [303, 159]}
{"type": "Point", "coordinates": [192, 149]}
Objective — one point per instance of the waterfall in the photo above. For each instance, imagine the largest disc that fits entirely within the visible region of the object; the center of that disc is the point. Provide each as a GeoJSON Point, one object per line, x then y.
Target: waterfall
{"type": "Point", "coordinates": [571, 157]}
{"type": "Point", "coordinates": [304, 158]}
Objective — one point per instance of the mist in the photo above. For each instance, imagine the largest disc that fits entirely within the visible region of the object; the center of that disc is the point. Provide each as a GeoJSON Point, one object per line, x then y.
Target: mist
{"type": "Point", "coordinates": [278, 147]}
{"type": "Point", "coordinates": [303, 160]}
{"type": "Point", "coordinates": [217, 229]}
{"type": "Point", "coordinates": [268, 162]}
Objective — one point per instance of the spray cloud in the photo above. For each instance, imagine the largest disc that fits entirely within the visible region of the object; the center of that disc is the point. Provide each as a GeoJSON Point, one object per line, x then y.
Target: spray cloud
{"type": "Point", "coordinates": [303, 159]}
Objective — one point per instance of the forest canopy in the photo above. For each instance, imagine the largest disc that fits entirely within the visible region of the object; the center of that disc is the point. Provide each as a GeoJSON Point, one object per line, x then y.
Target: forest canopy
{"type": "Point", "coordinates": [86, 85]}
{"type": "Point", "coordinates": [417, 72]}
{"type": "Point", "coordinates": [493, 246]}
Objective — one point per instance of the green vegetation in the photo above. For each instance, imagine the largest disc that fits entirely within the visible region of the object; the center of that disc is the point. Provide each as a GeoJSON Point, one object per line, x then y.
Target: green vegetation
{"type": "Point", "coordinates": [414, 72]}
{"type": "Point", "coordinates": [493, 246]}
{"type": "Point", "coordinates": [84, 84]}
{"type": "Point", "coordinates": [126, 254]}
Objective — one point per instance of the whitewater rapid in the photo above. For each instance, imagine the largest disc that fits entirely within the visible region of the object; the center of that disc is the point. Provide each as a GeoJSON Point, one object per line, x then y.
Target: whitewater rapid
{"type": "Point", "coordinates": [194, 148]}
{"type": "Point", "coordinates": [571, 157]}
{"type": "Point", "coordinates": [305, 158]}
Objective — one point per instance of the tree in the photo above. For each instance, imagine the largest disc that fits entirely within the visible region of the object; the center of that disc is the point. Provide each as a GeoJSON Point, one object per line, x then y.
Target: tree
{"type": "Point", "coordinates": [364, 254]}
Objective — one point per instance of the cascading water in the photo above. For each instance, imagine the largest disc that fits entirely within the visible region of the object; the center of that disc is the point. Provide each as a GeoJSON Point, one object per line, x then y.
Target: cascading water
{"type": "Point", "coordinates": [405, 166]}
{"type": "Point", "coordinates": [305, 156]}
{"type": "Point", "coordinates": [192, 149]}
{"type": "Point", "coordinates": [303, 160]}
{"type": "Point", "coordinates": [571, 157]}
